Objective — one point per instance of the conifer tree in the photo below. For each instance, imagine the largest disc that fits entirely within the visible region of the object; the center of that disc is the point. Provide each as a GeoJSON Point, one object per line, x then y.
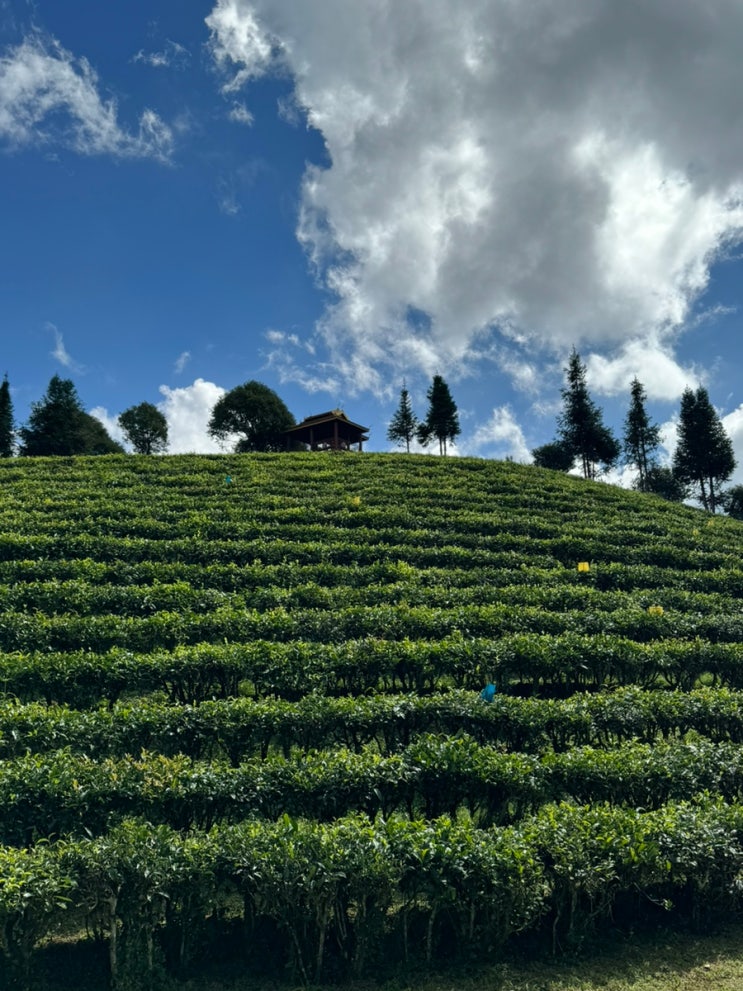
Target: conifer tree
{"type": "Point", "coordinates": [54, 426]}
{"type": "Point", "coordinates": [404, 422]}
{"type": "Point", "coordinates": [442, 419]}
{"type": "Point", "coordinates": [58, 425]}
{"type": "Point", "coordinates": [6, 420]}
{"type": "Point", "coordinates": [641, 437]}
{"type": "Point", "coordinates": [581, 428]}
{"type": "Point", "coordinates": [704, 455]}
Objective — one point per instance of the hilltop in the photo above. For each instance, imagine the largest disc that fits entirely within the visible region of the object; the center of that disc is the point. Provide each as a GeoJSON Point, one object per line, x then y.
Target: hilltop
{"type": "Point", "coordinates": [242, 725]}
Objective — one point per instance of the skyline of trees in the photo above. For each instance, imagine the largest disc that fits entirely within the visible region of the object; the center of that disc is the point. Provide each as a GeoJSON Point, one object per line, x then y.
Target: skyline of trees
{"type": "Point", "coordinates": [703, 461]}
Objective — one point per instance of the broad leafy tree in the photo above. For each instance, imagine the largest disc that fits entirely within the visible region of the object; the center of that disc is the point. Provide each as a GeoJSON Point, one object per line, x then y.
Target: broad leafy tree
{"type": "Point", "coordinates": [704, 457]}
{"type": "Point", "coordinates": [661, 481]}
{"type": "Point", "coordinates": [145, 428]}
{"type": "Point", "coordinates": [6, 420]}
{"type": "Point", "coordinates": [442, 419]}
{"type": "Point", "coordinates": [404, 422]}
{"type": "Point", "coordinates": [733, 502]}
{"type": "Point", "coordinates": [581, 428]}
{"type": "Point", "coordinates": [641, 437]}
{"type": "Point", "coordinates": [554, 456]}
{"type": "Point", "coordinates": [255, 414]}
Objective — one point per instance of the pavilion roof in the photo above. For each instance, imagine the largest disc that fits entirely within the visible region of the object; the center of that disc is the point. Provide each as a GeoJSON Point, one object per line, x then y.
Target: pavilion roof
{"type": "Point", "coordinates": [320, 418]}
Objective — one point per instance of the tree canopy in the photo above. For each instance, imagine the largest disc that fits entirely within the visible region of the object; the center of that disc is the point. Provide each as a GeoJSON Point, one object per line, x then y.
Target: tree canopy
{"type": "Point", "coordinates": [704, 455]}
{"type": "Point", "coordinates": [404, 422]}
{"type": "Point", "coordinates": [145, 428]}
{"type": "Point", "coordinates": [442, 418]}
{"type": "Point", "coordinates": [256, 414]}
{"type": "Point", "coordinates": [6, 420]}
{"type": "Point", "coordinates": [553, 455]}
{"type": "Point", "coordinates": [58, 425]}
{"type": "Point", "coordinates": [581, 429]}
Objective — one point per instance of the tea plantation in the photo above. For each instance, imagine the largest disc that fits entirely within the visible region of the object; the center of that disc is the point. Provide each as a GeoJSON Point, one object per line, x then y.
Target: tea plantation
{"type": "Point", "coordinates": [240, 713]}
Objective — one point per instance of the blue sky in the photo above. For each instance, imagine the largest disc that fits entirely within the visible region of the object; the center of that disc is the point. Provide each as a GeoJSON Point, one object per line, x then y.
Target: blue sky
{"type": "Point", "coordinates": [333, 198]}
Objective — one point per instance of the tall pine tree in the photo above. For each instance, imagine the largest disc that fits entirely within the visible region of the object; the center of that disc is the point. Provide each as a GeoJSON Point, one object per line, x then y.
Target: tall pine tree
{"type": "Point", "coordinates": [404, 422]}
{"type": "Point", "coordinates": [6, 420]}
{"type": "Point", "coordinates": [641, 437]}
{"type": "Point", "coordinates": [581, 429]}
{"type": "Point", "coordinates": [442, 419]}
{"type": "Point", "coordinates": [704, 454]}
{"type": "Point", "coordinates": [58, 425]}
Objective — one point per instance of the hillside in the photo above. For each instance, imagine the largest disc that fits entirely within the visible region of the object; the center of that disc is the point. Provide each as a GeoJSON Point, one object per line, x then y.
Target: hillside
{"type": "Point", "coordinates": [241, 715]}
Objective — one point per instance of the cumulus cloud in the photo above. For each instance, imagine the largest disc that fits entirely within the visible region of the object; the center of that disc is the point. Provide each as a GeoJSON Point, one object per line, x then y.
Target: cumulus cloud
{"type": "Point", "coordinates": [500, 437]}
{"type": "Point", "coordinates": [538, 173]}
{"type": "Point", "coordinates": [47, 96]}
{"type": "Point", "coordinates": [187, 411]}
{"type": "Point", "coordinates": [650, 361]}
{"type": "Point", "coordinates": [111, 423]}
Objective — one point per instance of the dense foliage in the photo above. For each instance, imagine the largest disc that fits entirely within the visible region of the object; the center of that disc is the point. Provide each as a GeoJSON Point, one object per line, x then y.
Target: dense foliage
{"type": "Point", "coordinates": [243, 720]}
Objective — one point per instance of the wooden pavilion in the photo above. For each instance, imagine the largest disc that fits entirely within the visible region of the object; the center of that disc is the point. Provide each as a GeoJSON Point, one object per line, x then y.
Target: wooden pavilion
{"type": "Point", "coordinates": [331, 431]}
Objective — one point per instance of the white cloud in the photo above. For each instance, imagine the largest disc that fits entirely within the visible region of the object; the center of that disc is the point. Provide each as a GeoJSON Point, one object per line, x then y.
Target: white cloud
{"type": "Point", "coordinates": [111, 423]}
{"type": "Point", "coordinates": [551, 174]}
{"type": "Point", "coordinates": [500, 437]}
{"type": "Point", "coordinates": [60, 352]}
{"type": "Point", "coordinates": [649, 361]}
{"type": "Point", "coordinates": [47, 96]}
{"type": "Point", "coordinates": [187, 411]}
{"type": "Point", "coordinates": [240, 114]}
{"type": "Point", "coordinates": [181, 361]}
{"type": "Point", "coordinates": [173, 56]}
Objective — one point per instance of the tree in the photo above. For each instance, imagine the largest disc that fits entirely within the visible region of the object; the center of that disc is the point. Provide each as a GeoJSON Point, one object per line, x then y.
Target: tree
{"type": "Point", "coordinates": [704, 454]}
{"type": "Point", "coordinates": [254, 411]}
{"type": "Point", "coordinates": [661, 481]}
{"type": "Point", "coordinates": [554, 456]}
{"type": "Point", "coordinates": [442, 419]}
{"type": "Point", "coordinates": [404, 422]}
{"type": "Point", "coordinates": [581, 428]}
{"type": "Point", "coordinates": [95, 439]}
{"type": "Point", "coordinates": [55, 423]}
{"type": "Point", "coordinates": [6, 420]}
{"type": "Point", "coordinates": [58, 425]}
{"type": "Point", "coordinates": [641, 437]}
{"type": "Point", "coordinates": [145, 428]}
{"type": "Point", "coordinates": [733, 502]}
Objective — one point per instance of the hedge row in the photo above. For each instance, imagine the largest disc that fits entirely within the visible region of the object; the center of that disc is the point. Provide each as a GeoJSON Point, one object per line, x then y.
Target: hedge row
{"type": "Point", "coordinates": [61, 793]}
{"type": "Point", "coordinates": [238, 728]}
{"type": "Point", "coordinates": [521, 663]}
{"type": "Point", "coordinates": [350, 897]}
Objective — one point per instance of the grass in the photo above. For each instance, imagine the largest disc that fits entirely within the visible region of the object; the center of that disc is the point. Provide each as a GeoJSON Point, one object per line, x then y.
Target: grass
{"type": "Point", "coordinates": [661, 961]}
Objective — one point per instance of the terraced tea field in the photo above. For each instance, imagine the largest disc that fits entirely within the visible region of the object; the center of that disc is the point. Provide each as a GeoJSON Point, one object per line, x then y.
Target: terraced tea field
{"type": "Point", "coordinates": [240, 713]}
